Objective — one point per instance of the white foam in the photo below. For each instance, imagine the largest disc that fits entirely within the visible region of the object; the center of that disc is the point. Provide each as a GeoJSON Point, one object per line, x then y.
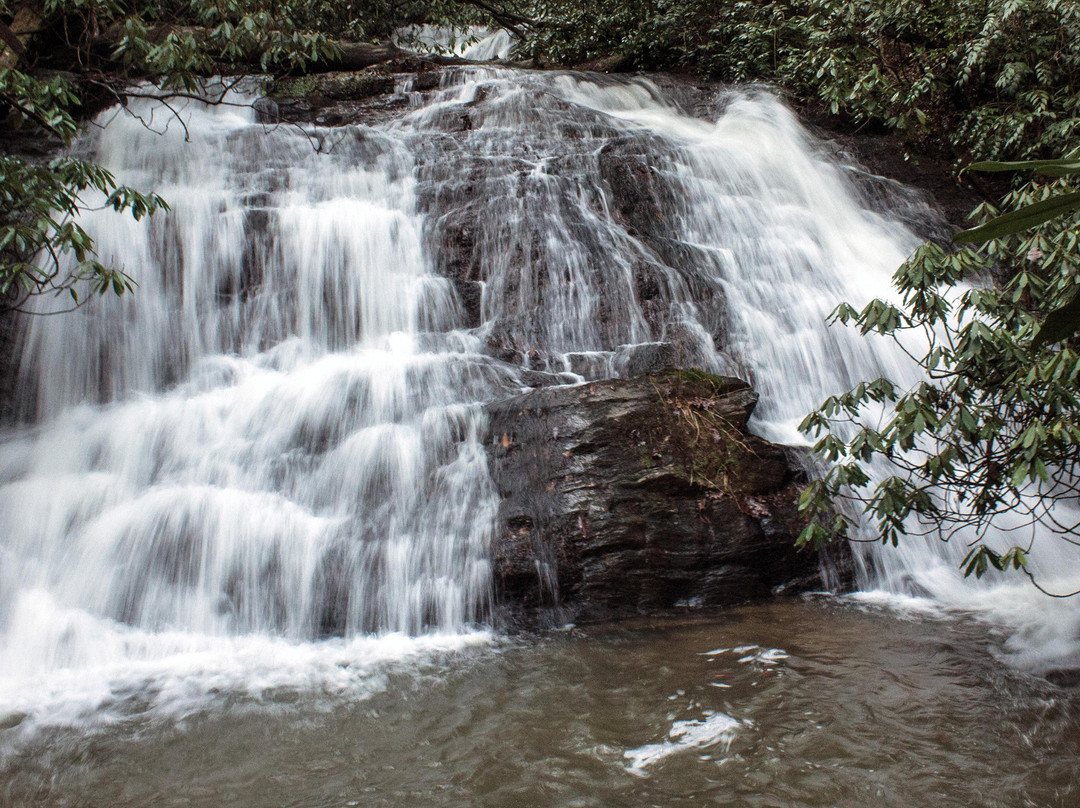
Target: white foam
{"type": "Point", "coordinates": [168, 675]}
{"type": "Point", "coordinates": [763, 656]}
{"type": "Point", "coordinates": [714, 728]}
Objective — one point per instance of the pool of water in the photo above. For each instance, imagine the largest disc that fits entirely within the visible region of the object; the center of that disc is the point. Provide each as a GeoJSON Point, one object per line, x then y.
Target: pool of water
{"type": "Point", "coordinates": [794, 703]}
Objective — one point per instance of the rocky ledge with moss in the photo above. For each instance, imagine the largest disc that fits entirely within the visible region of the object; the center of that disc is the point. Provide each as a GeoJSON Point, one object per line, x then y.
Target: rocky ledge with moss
{"type": "Point", "coordinates": [635, 496]}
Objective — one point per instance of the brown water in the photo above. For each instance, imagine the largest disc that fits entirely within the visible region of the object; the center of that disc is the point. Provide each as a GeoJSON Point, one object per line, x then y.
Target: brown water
{"type": "Point", "coordinates": [832, 706]}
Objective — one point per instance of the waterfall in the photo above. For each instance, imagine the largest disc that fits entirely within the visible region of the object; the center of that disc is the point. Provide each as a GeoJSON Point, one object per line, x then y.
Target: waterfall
{"type": "Point", "coordinates": [267, 466]}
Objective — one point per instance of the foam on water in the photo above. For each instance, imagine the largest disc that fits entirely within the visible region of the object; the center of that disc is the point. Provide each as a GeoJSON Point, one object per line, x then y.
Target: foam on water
{"type": "Point", "coordinates": [714, 728]}
{"type": "Point", "coordinates": [167, 676]}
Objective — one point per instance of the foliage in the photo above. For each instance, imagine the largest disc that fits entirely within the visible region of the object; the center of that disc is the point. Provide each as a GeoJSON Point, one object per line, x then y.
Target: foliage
{"type": "Point", "coordinates": [998, 78]}
{"type": "Point", "coordinates": [991, 440]}
{"type": "Point", "coordinates": [40, 200]}
{"type": "Point", "coordinates": [39, 226]}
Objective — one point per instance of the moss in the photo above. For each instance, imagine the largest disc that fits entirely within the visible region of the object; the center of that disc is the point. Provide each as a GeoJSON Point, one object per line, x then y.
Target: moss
{"type": "Point", "coordinates": [356, 86]}
{"type": "Point", "coordinates": [294, 86]}
{"type": "Point", "coordinates": [707, 453]}
{"type": "Point", "coordinates": [687, 435]}
{"type": "Point", "coordinates": [718, 384]}
{"type": "Point", "coordinates": [335, 86]}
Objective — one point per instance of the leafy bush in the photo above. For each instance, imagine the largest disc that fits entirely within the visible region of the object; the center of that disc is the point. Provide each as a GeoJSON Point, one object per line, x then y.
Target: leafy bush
{"type": "Point", "coordinates": [990, 441]}
{"type": "Point", "coordinates": [998, 78]}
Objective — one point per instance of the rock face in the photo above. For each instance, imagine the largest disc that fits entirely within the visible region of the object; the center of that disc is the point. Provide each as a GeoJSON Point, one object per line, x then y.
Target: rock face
{"type": "Point", "coordinates": [628, 496]}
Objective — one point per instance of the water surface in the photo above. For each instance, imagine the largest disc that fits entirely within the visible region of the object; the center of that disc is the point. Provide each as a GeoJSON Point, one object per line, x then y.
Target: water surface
{"type": "Point", "coordinates": [795, 703]}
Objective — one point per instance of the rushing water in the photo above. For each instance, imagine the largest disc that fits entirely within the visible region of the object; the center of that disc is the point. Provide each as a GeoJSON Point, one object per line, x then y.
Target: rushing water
{"type": "Point", "coordinates": [264, 475]}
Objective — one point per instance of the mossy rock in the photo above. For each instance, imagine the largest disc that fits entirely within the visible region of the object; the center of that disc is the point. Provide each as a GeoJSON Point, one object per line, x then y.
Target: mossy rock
{"type": "Point", "coordinates": [628, 496]}
{"type": "Point", "coordinates": [717, 385]}
{"type": "Point", "coordinates": [694, 434]}
{"type": "Point", "coordinates": [294, 87]}
{"type": "Point", "coordinates": [354, 86]}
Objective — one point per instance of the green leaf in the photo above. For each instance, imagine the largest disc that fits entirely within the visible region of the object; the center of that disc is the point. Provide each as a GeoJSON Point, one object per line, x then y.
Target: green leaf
{"type": "Point", "coordinates": [1020, 474]}
{"type": "Point", "coordinates": [1060, 324]}
{"type": "Point", "coordinates": [1022, 219]}
{"type": "Point", "coordinates": [1049, 168]}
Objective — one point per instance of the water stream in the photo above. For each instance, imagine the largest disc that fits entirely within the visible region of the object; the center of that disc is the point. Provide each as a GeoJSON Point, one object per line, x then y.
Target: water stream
{"type": "Point", "coordinates": [260, 484]}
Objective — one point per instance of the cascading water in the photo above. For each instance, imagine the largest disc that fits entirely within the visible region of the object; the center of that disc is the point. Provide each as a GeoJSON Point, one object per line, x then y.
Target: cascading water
{"type": "Point", "coordinates": [267, 467]}
{"type": "Point", "coordinates": [279, 437]}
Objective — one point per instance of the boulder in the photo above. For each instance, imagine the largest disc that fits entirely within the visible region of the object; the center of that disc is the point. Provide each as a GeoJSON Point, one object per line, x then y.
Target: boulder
{"type": "Point", "coordinates": [632, 496]}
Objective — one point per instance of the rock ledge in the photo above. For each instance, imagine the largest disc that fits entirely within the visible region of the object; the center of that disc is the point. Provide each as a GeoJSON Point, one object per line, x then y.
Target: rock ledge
{"type": "Point", "coordinates": [632, 496]}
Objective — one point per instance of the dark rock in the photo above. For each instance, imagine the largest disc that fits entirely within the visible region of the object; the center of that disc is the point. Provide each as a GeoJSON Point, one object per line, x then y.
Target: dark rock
{"type": "Point", "coordinates": [354, 86]}
{"type": "Point", "coordinates": [1064, 677]}
{"type": "Point", "coordinates": [471, 294]}
{"type": "Point", "coordinates": [453, 238]}
{"type": "Point", "coordinates": [647, 357]}
{"type": "Point", "coordinates": [12, 720]}
{"type": "Point", "coordinates": [640, 202]}
{"type": "Point", "coordinates": [9, 365]}
{"type": "Point", "coordinates": [357, 55]}
{"type": "Point", "coordinates": [618, 63]}
{"type": "Point", "coordinates": [628, 496]}
{"type": "Point", "coordinates": [425, 81]}
{"type": "Point", "coordinates": [266, 110]}
{"type": "Point", "coordinates": [334, 99]}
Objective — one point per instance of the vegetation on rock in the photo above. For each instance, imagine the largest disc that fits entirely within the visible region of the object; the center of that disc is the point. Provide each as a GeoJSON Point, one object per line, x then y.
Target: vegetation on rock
{"type": "Point", "coordinates": [633, 495]}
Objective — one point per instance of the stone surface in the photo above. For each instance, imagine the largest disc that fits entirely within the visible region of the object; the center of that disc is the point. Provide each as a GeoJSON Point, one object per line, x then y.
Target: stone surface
{"type": "Point", "coordinates": [9, 366]}
{"type": "Point", "coordinates": [631, 496]}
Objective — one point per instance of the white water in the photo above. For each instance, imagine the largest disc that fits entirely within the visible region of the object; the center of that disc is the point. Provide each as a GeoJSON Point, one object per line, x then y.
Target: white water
{"type": "Point", "coordinates": [280, 436]}
{"type": "Point", "coordinates": [280, 457]}
{"type": "Point", "coordinates": [474, 42]}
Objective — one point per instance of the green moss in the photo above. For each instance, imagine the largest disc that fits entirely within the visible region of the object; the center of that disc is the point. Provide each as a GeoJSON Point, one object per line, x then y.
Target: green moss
{"type": "Point", "coordinates": [294, 86]}
{"type": "Point", "coordinates": [686, 435]}
{"type": "Point", "coordinates": [718, 384]}
{"type": "Point", "coordinates": [357, 85]}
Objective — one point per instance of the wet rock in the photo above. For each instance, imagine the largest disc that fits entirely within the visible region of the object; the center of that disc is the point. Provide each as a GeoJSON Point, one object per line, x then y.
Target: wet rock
{"type": "Point", "coordinates": [425, 81]}
{"type": "Point", "coordinates": [9, 366]}
{"type": "Point", "coordinates": [1064, 677]}
{"type": "Point", "coordinates": [333, 99]}
{"type": "Point", "coordinates": [639, 201]}
{"type": "Point", "coordinates": [471, 294]}
{"type": "Point", "coordinates": [648, 357]}
{"type": "Point", "coordinates": [266, 110]}
{"type": "Point", "coordinates": [354, 86]}
{"type": "Point", "coordinates": [12, 720]}
{"type": "Point", "coordinates": [630, 496]}
{"type": "Point", "coordinates": [618, 63]}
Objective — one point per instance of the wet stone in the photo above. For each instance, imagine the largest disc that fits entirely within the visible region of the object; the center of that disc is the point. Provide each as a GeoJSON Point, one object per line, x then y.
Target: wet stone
{"type": "Point", "coordinates": [1064, 677]}
{"type": "Point", "coordinates": [631, 496]}
{"type": "Point", "coordinates": [11, 720]}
